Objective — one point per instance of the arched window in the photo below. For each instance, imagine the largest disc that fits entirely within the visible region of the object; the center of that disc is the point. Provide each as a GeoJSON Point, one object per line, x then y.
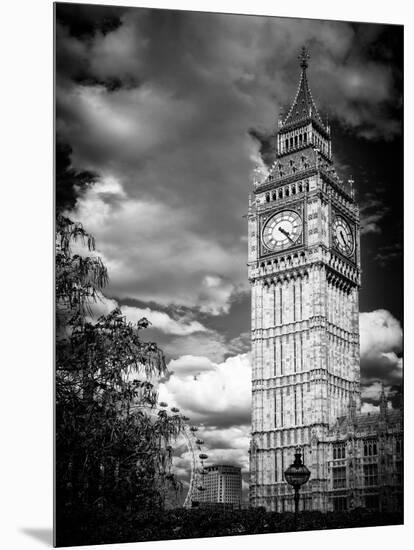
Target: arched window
{"type": "Point", "coordinates": [280, 194]}
{"type": "Point", "coordinates": [300, 139]}
{"type": "Point", "coordinates": [274, 196]}
{"type": "Point", "coordinates": [287, 192]}
{"type": "Point", "coordinates": [370, 448]}
{"type": "Point", "coordinates": [286, 144]}
{"type": "Point", "coordinates": [300, 188]}
{"type": "Point", "coordinates": [291, 141]}
{"type": "Point", "coordinates": [296, 141]}
{"type": "Point", "coordinates": [305, 137]}
{"type": "Point", "coordinates": [338, 451]}
{"type": "Point", "coordinates": [267, 197]}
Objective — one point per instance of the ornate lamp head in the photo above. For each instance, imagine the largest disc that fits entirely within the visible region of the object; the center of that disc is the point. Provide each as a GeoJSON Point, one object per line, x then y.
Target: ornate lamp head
{"type": "Point", "coordinates": [297, 474]}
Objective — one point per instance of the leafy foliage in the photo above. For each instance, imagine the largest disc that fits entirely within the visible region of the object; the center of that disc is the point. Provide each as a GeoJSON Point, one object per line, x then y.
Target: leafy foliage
{"type": "Point", "coordinates": [79, 278]}
{"type": "Point", "coordinates": [113, 449]}
{"type": "Point", "coordinates": [70, 184]}
{"type": "Point", "coordinates": [106, 528]}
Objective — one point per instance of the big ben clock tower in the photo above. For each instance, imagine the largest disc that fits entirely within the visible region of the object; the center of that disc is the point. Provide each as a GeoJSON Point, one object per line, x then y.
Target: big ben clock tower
{"type": "Point", "coordinates": [304, 271]}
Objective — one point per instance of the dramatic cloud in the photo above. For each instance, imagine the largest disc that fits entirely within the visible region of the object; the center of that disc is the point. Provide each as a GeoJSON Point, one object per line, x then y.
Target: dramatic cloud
{"type": "Point", "coordinates": [216, 397]}
{"type": "Point", "coordinates": [211, 345]}
{"type": "Point", "coordinates": [158, 320]}
{"type": "Point", "coordinates": [146, 244]}
{"type": "Point", "coordinates": [190, 365]}
{"type": "Point", "coordinates": [372, 211]}
{"type": "Point", "coordinates": [219, 396]}
{"type": "Point", "coordinates": [368, 408]}
{"type": "Point", "coordinates": [240, 344]}
{"type": "Point", "coordinates": [162, 321]}
{"type": "Point", "coordinates": [371, 394]}
{"type": "Point", "coordinates": [173, 111]}
{"type": "Point", "coordinates": [222, 446]}
{"type": "Point", "coordinates": [389, 253]}
{"type": "Point", "coordinates": [228, 446]}
{"type": "Point", "coordinates": [381, 349]}
{"type": "Point", "coordinates": [163, 104]}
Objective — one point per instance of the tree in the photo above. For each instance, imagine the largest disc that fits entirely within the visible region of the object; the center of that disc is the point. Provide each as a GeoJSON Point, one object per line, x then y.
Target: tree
{"type": "Point", "coordinates": [111, 451]}
{"type": "Point", "coordinates": [70, 183]}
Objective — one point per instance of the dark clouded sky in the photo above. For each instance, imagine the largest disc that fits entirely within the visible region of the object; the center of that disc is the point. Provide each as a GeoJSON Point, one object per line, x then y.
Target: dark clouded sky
{"type": "Point", "coordinates": [163, 115]}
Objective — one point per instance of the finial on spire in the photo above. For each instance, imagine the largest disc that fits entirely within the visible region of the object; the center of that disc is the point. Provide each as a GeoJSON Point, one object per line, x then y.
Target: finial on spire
{"type": "Point", "coordinates": [304, 58]}
{"type": "Point", "coordinates": [280, 118]}
{"type": "Point", "coordinates": [351, 186]}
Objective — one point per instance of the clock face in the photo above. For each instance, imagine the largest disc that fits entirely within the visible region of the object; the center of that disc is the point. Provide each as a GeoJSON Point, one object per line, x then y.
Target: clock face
{"type": "Point", "coordinates": [342, 236]}
{"type": "Point", "coordinates": [282, 230]}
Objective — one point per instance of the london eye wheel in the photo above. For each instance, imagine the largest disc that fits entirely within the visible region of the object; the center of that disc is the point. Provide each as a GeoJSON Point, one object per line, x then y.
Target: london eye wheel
{"type": "Point", "coordinates": [197, 469]}
{"type": "Point", "coordinates": [189, 437]}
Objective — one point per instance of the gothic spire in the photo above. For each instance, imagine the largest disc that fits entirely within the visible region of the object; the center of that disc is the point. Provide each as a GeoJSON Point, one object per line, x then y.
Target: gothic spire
{"type": "Point", "coordinates": [304, 58]}
{"type": "Point", "coordinates": [303, 106]}
{"type": "Point", "coordinates": [383, 401]}
{"type": "Point", "coordinates": [352, 409]}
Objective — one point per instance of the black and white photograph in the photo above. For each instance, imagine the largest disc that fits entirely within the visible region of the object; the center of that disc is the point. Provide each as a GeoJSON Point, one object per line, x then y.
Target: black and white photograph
{"type": "Point", "coordinates": [229, 211]}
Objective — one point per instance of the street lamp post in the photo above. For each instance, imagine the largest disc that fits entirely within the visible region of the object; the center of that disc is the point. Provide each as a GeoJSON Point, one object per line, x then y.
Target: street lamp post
{"type": "Point", "coordinates": [297, 474]}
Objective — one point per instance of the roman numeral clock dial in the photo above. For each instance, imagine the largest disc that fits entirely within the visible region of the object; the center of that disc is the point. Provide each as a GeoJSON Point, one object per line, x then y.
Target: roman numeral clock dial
{"type": "Point", "coordinates": [342, 236]}
{"type": "Point", "coordinates": [282, 230]}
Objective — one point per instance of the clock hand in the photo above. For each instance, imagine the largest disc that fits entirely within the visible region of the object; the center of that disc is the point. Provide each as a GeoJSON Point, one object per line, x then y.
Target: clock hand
{"type": "Point", "coordinates": [343, 238]}
{"type": "Point", "coordinates": [287, 234]}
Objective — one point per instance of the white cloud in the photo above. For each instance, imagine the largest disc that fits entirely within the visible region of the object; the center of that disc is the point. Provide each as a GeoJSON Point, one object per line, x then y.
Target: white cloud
{"type": "Point", "coordinates": [217, 397]}
{"type": "Point", "coordinates": [214, 294]}
{"type": "Point", "coordinates": [373, 210]}
{"type": "Point", "coordinates": [103, 306]}
{"type": "Point", "coordinates": [209, 344]}
{"type": "Point", "coordinates": [190, 365]}
{"type": "Point", "coordinates": [158, 319]}
{"type": "Point", "coordinates": [380, 333]}
{"type": "Point", "coordinates": [222, 446]}
{"type": "Point", "coordinates": [162, 321]}
{"type": "Point", "coordinates": [369, 408]}
{"type": "Point", "coordinates": [371, 392]}
{"type": "Point", "coordinates": [228, 445]}
{"type": "Point", "coordinates": [234, 456]}
{"type": "Point", "coordinates": [380, 347]}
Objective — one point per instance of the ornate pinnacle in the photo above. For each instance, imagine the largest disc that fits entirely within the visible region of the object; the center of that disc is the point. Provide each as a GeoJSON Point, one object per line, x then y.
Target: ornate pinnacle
{"type": "Point", "coordinates": [304, 57]}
